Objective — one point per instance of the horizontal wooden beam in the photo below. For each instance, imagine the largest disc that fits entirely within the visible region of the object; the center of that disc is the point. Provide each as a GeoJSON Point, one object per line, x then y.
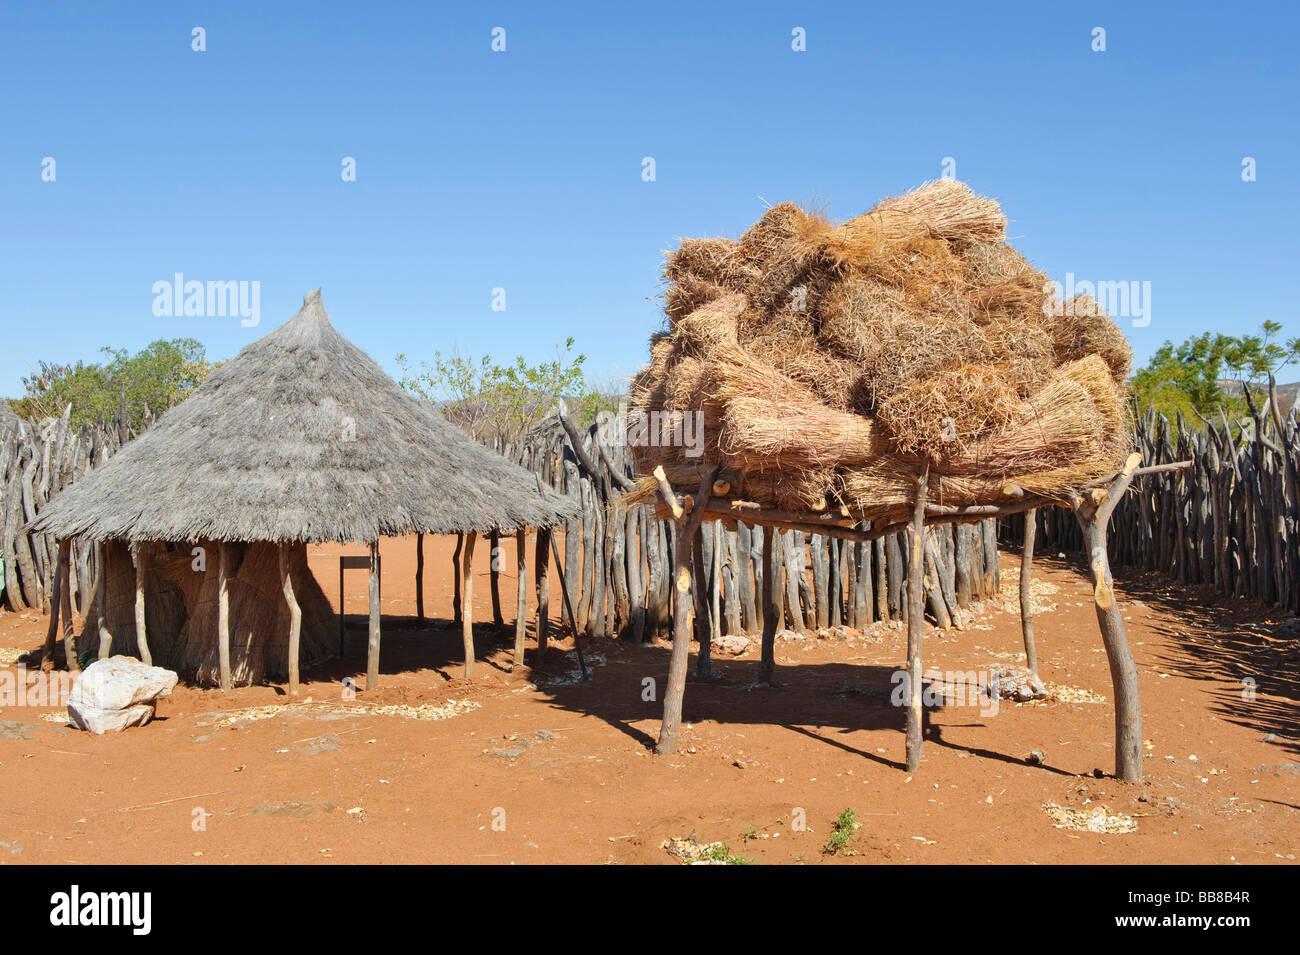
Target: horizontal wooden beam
{"type": "Point", "coordinates": [846, 526]}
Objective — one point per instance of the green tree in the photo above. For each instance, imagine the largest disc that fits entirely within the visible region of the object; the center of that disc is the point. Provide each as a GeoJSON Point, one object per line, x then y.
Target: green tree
{"type": "Point", "coordinates": [158, 377]}
{"type": "Point", "coordinates": [490, 401]}
{"type": "Point", "coordinates": [1209, 371]}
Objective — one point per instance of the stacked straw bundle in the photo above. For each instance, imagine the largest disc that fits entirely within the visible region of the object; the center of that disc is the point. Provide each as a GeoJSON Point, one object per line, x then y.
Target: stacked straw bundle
{"type": "Point", "coordinates": [831, 360]}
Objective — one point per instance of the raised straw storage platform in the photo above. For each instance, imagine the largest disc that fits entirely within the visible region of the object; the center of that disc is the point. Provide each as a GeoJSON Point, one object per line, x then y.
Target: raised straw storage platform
{"type": "Point", "coordinates": [904, 367]}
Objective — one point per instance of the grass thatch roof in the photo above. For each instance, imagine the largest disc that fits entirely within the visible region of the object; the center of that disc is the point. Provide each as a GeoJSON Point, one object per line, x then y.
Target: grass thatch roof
{"type": "Point", "coordinates": [301, 437]}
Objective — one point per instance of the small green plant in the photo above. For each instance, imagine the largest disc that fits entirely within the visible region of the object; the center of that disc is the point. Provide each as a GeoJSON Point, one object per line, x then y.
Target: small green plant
{"type": "Point", "coordinates": [750, 833]}
{"type": "Point", "coordinates": [846, 825]}
{"type": "Point", "coordinates": [721, 852]}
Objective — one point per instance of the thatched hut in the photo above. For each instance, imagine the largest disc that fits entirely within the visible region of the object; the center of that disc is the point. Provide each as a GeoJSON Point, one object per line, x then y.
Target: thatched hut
{"type": "Point", "coordinates": [302, 438]}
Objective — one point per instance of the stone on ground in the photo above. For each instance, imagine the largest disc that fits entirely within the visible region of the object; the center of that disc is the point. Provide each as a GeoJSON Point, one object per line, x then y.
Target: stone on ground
{"type": "Point", "coordinates": [113, 694]}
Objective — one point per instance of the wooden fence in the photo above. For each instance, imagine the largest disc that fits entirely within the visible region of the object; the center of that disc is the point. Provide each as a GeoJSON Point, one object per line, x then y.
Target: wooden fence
{"type": "Point", "coordinates": [1231, 522]}
{"type": "Point", "coordinates": [618, 564]}
{"type": "Point", "coordinates": [37, 460]}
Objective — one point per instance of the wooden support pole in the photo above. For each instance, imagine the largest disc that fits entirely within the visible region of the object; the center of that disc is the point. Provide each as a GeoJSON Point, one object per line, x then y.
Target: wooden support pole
{"type": "Point", "coordinates": [676, 690]}
{"type": "Point", "coordinates": [419, 576]}
{"type": "Point", "coordinates": [1093, 512]}
{"type": "Point", "coordinates": [140, 557]}
{"type": "Point", "coordinates": [456, 577]}
{"type": "Point", "coordinates": [521, 599]}
{"type": "Point", "coordinates": [1026, 603]}
{"type": "Point", "coordinates": [494, 567]}
{"type": "Point", "coordinates": [56, 606]}
{"type": "Point", "coordinates": [65, 605]}
{"type": "Point", "coordinates": [467, 601]}
{"type": "Point", "coordinates": [101, 601]}
{"type": "Point", "coordinates": [542, 580]}
{"type": "Point", "coordinates": [372, 646]}
{"type": "Point", "coordinates": [295, 615]}
{"type": "Point", "coordinates": [915, 619]}
{"type": "Point", "coordinates": [223, 614]}
{"type": "Point", "coordinates": [342, 634]}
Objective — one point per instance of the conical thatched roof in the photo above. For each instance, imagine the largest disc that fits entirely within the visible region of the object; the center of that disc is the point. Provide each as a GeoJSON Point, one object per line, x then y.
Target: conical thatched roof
{"type": "Point", "coordinates": [301, 437]}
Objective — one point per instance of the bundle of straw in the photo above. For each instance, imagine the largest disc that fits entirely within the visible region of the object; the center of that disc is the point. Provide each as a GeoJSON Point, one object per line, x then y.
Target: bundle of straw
{"type": "Point", "coordinates": [830, 360]}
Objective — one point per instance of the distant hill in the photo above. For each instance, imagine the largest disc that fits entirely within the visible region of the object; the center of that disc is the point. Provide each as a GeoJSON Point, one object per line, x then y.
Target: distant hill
{"type": "Point", "coordinates": [1287, 395]}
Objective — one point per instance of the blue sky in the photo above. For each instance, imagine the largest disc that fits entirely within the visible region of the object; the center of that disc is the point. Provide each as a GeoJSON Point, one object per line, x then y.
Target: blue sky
{"type": "Point", "coordinates": [522, 169]}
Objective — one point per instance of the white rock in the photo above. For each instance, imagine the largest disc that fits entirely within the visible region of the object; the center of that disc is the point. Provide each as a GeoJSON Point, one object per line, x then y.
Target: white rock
{"type": "Point", "coordinates": [100, 721]}
{"type": "Point", "coordinates": [112, 694]}
{"type": "Point", "coordinates": [733, 644]}
{"type": "Point", "coordinates": [1014, 683]}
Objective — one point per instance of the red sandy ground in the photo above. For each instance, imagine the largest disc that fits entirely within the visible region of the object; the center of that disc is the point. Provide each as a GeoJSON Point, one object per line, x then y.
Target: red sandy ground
{"type": "Point", "coordinates": [1218, 789]}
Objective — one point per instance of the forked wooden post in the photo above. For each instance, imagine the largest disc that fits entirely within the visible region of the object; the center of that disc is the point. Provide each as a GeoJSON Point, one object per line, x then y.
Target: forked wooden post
{"type": "Point", "coordinates": [140, 557]}
{"type": "Point", "coordinates": [521, 597]}
{"type": "Point", "coordinates": [467, 601]}
{"type": "Point", "coordinates": [915, 618]}
{"type": "Point", "coordinates": [295, 616]}
{"type": "Point", "coordinates": [56, 605]}
{"type": "Point", "coordinates": [1093, 511]}
{"type": "Point", "coordinates": [223, 614]}
{"type": "Point", "coordinates": [101, 602]}
{"type": "Point", "coordinates": [1026, 602]}
{"type": "Point", "coordinates": [372, 646]}
{"type": "Point", "coordinates": [670, 729]}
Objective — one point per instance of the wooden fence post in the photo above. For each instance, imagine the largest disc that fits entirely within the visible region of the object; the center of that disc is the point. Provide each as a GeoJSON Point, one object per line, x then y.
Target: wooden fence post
{"type": "Point", "coordinates": [771, 605]}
